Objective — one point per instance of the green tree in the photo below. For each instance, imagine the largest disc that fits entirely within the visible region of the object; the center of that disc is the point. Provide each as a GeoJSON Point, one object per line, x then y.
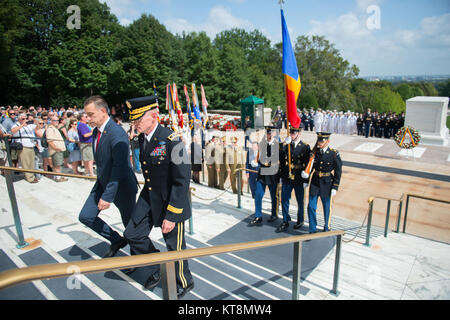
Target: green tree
{"type": "Point", "coordinates": [234, 78]}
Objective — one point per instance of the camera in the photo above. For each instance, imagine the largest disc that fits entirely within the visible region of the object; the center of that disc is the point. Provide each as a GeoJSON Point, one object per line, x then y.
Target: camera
{"type": "Point", "coordinates": [30, 122]}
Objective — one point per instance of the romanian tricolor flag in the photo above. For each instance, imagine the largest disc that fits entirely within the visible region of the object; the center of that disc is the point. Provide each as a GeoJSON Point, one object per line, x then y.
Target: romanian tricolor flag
{"type": "Point", "coordinates": [291, 76]}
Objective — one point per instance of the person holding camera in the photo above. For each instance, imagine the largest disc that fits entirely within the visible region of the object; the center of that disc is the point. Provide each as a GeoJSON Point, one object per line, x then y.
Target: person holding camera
{"type": "Point", "coordinates": [25, 141]}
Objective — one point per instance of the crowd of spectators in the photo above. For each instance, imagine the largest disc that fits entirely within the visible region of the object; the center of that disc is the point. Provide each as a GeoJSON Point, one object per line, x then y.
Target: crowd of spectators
{"type": "Point", "coordinates": [47, 140]}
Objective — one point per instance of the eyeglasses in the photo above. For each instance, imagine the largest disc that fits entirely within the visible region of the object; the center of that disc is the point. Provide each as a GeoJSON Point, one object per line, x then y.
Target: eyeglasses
{"type": "Point", "coordinates": [55, 120]}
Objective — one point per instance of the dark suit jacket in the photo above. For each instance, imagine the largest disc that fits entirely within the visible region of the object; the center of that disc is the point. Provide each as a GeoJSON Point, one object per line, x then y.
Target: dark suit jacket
{"type": "Point", "coordinates": [167, 172]}
{"type": "Point", "coordinates": [114, 172]}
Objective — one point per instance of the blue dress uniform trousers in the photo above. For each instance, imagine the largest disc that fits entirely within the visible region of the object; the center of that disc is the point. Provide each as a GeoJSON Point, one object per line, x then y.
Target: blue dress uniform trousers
{"type": "Point", "coordinates": [286, 191]}
{"type": "Point", "coordinates": [137, 235]}
{"type": "Point", "coordinates": [259, 194]}
{"type": "Point", "coordinates": [312, 207]}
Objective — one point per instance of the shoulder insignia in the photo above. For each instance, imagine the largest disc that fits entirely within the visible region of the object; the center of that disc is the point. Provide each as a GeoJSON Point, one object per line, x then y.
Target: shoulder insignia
{"type": "Point", "coordinates": [173, 136]}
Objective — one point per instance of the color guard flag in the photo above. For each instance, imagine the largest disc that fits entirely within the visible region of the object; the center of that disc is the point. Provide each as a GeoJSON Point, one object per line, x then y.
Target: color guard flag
{"type": "Point", "coordinates": [204, 106]}
{"type": "Point", "coordinates": [177, 105]}
{"type": "Point", "coordinates": [188, 107]}
{"type": "Point", "coordinates": [195, 103]}
{"type": "Point", "coordinates": [291, 76]}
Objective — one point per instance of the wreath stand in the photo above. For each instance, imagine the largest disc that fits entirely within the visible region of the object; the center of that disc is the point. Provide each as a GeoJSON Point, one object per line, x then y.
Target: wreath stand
{"type": "Point", "coordinates": [407, 138]}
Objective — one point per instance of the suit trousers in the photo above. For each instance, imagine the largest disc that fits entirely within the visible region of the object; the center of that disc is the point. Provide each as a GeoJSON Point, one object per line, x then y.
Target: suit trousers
{"type": "Point", "coordinates": [89, 214]}
{"type": "Point", "coordinates": [259, 195]}
{"type": "Point", "coordinates": [286, 191]}
{"type": "Point", "coordinates": [312, 207]}
{"type": "Point", "coordinates": [137, 235]}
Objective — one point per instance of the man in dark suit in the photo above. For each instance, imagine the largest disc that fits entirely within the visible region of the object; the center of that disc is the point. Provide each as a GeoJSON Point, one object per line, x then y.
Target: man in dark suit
{"type": "Point", "coordinates": [325, 180]}
{"type": "Point", "coordinates": [164, 200]}
{"type": "Point", "coordinates": [292, 179]}
{"type": "Point", "coordinates": [116, 182]}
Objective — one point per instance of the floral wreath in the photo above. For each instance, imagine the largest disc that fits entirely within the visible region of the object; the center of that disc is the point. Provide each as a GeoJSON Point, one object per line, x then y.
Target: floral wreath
{"type": "Point", "coordinates": [400, 136]}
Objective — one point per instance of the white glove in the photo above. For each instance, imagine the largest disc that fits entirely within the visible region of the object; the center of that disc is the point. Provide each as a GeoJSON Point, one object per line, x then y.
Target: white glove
{"type": "Point", "coordinates": [333, 192]}
{"type": "Point", "coordinates": [305, 175]}
{"type": "Point", "coordinates": [305, 185]}
{"type": "Point", "coordinates": [288, 140]}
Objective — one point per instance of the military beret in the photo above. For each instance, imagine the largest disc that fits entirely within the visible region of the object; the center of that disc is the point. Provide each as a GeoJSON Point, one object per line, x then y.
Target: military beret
{"type": "Point", "coordinates": [137, 107]}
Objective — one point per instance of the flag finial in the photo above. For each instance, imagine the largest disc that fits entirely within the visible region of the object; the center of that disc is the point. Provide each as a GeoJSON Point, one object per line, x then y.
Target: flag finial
{"type": "Point", "coordinates": [281, 2]}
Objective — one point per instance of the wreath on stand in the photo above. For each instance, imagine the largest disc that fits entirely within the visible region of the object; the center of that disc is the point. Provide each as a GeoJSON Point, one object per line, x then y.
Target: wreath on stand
{"type": "Point", "coordinates": [407, 137]}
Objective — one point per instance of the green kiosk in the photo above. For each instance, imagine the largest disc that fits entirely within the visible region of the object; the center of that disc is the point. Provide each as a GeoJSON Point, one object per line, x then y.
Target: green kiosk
{"type": "Point", "coordinates": [254, 108]}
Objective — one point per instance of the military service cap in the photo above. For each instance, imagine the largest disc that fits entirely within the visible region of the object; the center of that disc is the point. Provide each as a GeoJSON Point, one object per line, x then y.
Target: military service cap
{"type": "Point", "coordinates": [270, 128]}
{"type": "Point", "coordinates": [138, 106]}
{"type": "Point", "coordinates": [322, 136]}
{"type": "Point", "coordinates": [292, 129]}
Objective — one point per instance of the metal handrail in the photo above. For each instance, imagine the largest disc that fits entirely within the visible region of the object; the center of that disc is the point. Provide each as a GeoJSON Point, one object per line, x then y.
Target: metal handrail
{"type": "Point", "coordinates": [386, 224]}
{"type": "Point", "coordinates": [400, 206]}
{"type": "Point", "coordinates": [167, 260]}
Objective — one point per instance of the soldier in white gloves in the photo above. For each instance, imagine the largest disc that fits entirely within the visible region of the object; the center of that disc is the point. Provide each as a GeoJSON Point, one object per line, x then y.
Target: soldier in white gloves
{"type": "Point", "coordinates": [326, 168]}
{"type": "Point", "coordinates": [300, 153]}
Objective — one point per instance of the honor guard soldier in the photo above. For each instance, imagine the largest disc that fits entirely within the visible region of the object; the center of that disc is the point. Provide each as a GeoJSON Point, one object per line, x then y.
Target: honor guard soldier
{"type": "Point", "coordinates": [164, 200]}
{"type": "Point", "coordinates": [292, 179]}
{"type": "Point", "coordinates": [368, 117]}
{"type": "Point", "coordinates": [210, 162]}
{"type": "Point", "coordinates": [236, 160]}
{"type": "Point", "coordinates": [268, 175]}
{"type": "Point", "coordinates": [327, 166]}
{"type": "Point", "coordinates": [221, 162]}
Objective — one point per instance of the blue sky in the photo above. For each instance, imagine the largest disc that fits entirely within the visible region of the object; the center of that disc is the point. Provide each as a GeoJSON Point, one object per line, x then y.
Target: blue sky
{"type": "Point", "coordinates": [411, 37]}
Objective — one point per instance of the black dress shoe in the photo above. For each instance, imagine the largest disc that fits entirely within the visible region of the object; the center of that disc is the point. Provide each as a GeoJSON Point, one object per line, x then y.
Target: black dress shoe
{"type": "Point", "coordinates": [298, 225]}
{"type": "Point", "coordinates": [256, 222]}
{"type": "Point", "coordinates": [114, 247]}
{"type": "Point", "coordinates": [272, 218]}
{"type": "Point", "coordinates": [183, 291]}
{"type": "Point", "coordinates": [282, 227]}
{"type": "Point", "coordinates": [152, 281]}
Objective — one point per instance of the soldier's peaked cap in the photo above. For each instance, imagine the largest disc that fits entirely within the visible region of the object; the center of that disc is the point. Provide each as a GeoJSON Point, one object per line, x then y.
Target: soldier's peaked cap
{"type": "Point", "coordinates": [270, 128]}
{"type": "Point", "coordinates": [293, 129]}
{"type": "Point", "coordinates": [137, 107]}
{"type": "Point", "coordinates": [322, 136]}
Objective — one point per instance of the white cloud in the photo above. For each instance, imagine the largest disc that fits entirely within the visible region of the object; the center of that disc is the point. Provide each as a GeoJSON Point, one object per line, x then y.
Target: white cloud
{"type": "Point", "coordinates": [219, 19]}
{"type": "Point", "coordinates": [423, 50]}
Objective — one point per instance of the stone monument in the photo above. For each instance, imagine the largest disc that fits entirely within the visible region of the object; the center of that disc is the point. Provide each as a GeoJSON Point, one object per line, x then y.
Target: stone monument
{"type": "Point", "coordinates": [428, 115]}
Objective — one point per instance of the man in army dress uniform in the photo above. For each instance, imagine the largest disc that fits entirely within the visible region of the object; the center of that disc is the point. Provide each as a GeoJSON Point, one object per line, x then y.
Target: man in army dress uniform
{"type": "Point", "coordinates": [327, 166]}
{"type": "Point", "coordinates": [164, 200]}
{"type": "Point", "coordinates": [235, 159]}
{"type": "Point", "coordinates": [292, 180]}
{"type": "Point", "coordinates": [221, 162]}
{"type": "Point", "coordinates": [210, 162]}
{"type": "Point", "coordinates": [268, 175]}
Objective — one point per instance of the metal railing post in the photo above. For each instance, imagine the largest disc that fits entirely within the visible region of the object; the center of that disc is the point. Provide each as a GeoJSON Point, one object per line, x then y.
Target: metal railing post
{"type": "Point", "coordinates": [400, 205]}
{"type": "Point", "coordinates": [297, 270]}
{"type": "Point", "coordinates": [12, 197]}
{"type": "Point", "coordinates": [337, 264]}
{"type": "Point", "coordinates": [406, 212]}
{"type": "Point", "coordinates": [386, 225]}
{"type": "Point", "coordinates": [239, 187]}
{"type": "Point", "coordinates": [169, 285]}
{"type": "Point", "coordinates": [369, 222]}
